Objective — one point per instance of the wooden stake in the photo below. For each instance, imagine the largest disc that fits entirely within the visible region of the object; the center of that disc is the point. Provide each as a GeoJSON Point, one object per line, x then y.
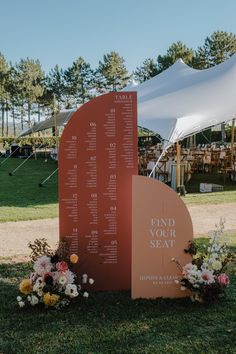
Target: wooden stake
{"type": "Point", "coordinates": [178, 148]}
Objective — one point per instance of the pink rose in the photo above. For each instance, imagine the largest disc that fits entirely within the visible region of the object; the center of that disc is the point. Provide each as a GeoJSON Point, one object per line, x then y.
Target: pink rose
{"type": "Point", "coordinates": [223, 279]}
{"type": "Point", "coordinates": [62, 266]}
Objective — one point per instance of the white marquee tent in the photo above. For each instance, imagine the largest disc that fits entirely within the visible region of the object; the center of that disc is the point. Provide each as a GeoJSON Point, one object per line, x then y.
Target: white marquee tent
{"type": "Point", "coordinates": [59, 120]}
{"type": "Point", "coordinates": [179, 102]}
{"type": "Point", "coordinates": [182, 101]}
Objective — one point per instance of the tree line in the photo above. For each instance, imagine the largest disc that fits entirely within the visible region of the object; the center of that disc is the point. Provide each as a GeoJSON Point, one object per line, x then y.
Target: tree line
{"type": "Point", "coordinates": [27, 93]}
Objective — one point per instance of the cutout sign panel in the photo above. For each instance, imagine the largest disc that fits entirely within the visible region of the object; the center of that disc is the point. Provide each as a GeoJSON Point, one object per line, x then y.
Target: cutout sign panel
{"type": "Point", "coordinates": [97, 158]}
{"type": "Point", "coordinates": [161, 230]}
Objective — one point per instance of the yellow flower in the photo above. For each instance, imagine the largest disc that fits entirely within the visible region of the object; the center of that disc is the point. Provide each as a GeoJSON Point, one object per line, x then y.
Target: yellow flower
{"type": "Point", "coordinates": [25, 286]}
{"type": "Point", "coordinates": [74, 258]}
{"type": "Point", "coordinates": [50, 299]}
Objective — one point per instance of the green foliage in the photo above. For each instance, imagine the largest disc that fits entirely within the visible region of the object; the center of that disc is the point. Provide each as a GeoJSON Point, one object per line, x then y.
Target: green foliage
{"type": "Point", "coordinates": [3, 90]}
{"type": "Point", "coordinates": [26, 94]}
{"type": "Point", "coordinates": [112, 73]}
{"type": "Point", "coordinates": [117, 323]}
{"type": "Point", "coordinates": [22, 199]}
{"type": "Point", "coordinates": [3, 76]}
{"type": "Point", "coordinates": [78, 82]}
{"type": "Point", "coordinates": [176, 51]}
{"type": "Point", "coordinates": [216, 49]}
{"type": "Point", "coordinates": [38, 141]}
{"type": "Point", "coordinates": [147, 70]}
{"type": "Point", "coordinates": [30, 80]}
{"type": "Point", "coordinates": [20, 196]}
{"type": "Point", "coordinates": [192, 248]}
{"type": "Point", "coordinates": [228, 195]}
{"type": "Point", "coordinates": [55, 88]}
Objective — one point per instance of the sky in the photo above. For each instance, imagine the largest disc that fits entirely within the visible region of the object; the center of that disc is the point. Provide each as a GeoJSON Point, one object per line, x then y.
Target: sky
{"type": "Point", "coordinates": [60, 31]}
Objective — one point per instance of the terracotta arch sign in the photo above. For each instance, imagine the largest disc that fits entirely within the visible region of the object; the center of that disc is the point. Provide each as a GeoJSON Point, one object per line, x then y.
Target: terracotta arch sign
{"type": "Point", "coordinates": [161, 230]}
{"type": "Point", "coordinates": [97, 158]}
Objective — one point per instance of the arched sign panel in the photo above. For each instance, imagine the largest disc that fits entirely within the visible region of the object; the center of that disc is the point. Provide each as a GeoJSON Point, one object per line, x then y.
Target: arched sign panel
{"type": "Point", "coordinates": [162, 228]}
{"type": "Point", "coordinates": [97, 158]}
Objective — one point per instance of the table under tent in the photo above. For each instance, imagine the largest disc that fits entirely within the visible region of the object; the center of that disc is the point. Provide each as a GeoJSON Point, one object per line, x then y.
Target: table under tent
{"type": "Point", "coordinates": [181, 102]}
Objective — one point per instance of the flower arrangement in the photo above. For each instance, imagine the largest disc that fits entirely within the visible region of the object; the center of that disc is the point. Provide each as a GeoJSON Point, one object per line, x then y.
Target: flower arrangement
{"type": "Point", "coordinates": [205, 277]}
{"type": "Point", "coordinates": [52, 282]}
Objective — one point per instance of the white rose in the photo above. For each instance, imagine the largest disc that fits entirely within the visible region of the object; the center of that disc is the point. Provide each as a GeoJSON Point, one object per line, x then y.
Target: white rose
{"type": "Point", "coordinates": [86, 294]}
{"type": "Point", "coordinates": [62, 280]}
{"type": "Point", "coordinates": [71, 290]}
{"type": "Point", "coordinates": [21, 303]}
{"type": "Point", "coordinates": [34, 300]}
{"type": "Point", "coordinates": [19, 298]}
{"type": "Point", "coordinates": [91, 281]}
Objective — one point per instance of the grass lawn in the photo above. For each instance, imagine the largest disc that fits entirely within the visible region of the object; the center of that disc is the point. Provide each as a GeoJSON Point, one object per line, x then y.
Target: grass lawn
{"type": "Point", "coordinates": [20, 196]}
{"type": "Point", "coordinates": [113, 323]}
{"type": "Point", "coordinates": [22, 199]}
{"type": "Point", "coordinates": [228, 195]}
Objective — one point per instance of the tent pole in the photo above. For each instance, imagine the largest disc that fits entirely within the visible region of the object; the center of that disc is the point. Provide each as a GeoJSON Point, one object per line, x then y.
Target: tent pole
{"type": "Point", "coordinates": [194, 140]}
{"type": "Point", "coordinates": [12, 173]}
{"type": "Point", "coordinates": [178, 148]}
{"type": "Point", "coordinates": [232, 143]}
{"type": "Point", "coordinates": [9, 156]}
{"type": "Point", "coordinates": [158, 160]}
{"type": "Point", "coordinates": [46, 179]}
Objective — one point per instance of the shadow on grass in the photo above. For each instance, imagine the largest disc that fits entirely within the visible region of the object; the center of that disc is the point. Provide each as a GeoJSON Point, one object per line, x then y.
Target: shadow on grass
{"type": "Point", "coordinates": [194, 184]}
{"type": "Point", "coordinates": [110, 322]}
{"type": "Point", "coordinates": [22, 189]}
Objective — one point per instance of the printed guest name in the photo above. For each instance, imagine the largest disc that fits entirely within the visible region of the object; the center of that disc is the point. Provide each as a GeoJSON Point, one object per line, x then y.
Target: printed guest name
{"type": "Point", "coordinates": [156, 277]}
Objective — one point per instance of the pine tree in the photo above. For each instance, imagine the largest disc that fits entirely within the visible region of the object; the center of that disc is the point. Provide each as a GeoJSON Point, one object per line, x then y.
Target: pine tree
{"type": "Point", "coordinates": [112, 74]}
{"type": "Point", "coordinates": [199, 60]}
{"type": "Point", "coordinates": [30, 76]}
{"type": "Point", "coordinates": [78, 82]}
{"type": "Point", "coordinates": [55, 84]}
{"type": "Point", "coordinates": [3, 78]}
{"type": "Point", "coordinates": [146, 71]}
{"type": "Point", "coordinates": [13, 90]}
{"type": "Point", "coordinates": [216, 49]}
{"type": "Point", "coordinates": [176, 51]}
